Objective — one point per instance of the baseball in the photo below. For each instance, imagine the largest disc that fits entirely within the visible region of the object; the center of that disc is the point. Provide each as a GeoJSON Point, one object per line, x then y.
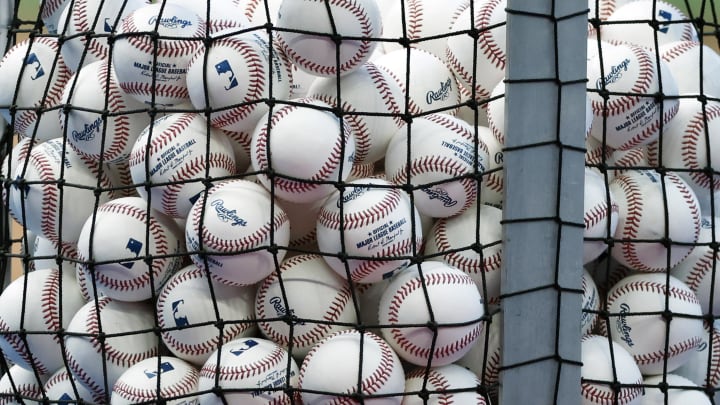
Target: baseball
{"type": "Point", "coordinates": [697, 270]}
{"type": "Point", "coordinates": [686, 142]}
{"type": "Point", "coordinates": [681, 391]}
{"type": "Point", "coordinates": [157, 378]}
{"type": "Point", "coordinates": [601, 363]}
{"type": "Point", "coordinates": [235, 75]}
{"type": "Point", "coordinates": [636, 304]}
{"type": "Point", "coordinates": [99, 124]}
{"type": "Point", "coordinates": [590, 303]}
{"type": "Point", "coordinates": [703, 368]}
{"type": "Point", "coordinates": [646, 200]}
{"type": "Point", "coordinates": [327, 142]}
{"type": "Point", "coordinates": [62, 386]}
{"type": "Point", "coordinates": [627, 24]}
{"type": "Point", "coordinates": [260, 367]}
{"type": "Point", "coordinates": [86, 24]}
{"type": "Point", "coordinates": [27, 70]}
{"type": "Point", "coordinates": [366, 91]}
{"type": "Point", "coordinates": [39, 201]}
{"type": "Point", "coordinates": [484, 357]}
{"type": "Point", "coordinates": [442, 159]}
{"type": "Point", "coordinates": [39, 301]}
{"type": "Point", "coordinates": [368, 220]}
{"type": "Point", "coordinates": [107, 337]}
{"type": "Point", "coordinates": [115, 241]}
{"type": "Point", "coordinates": [600, 215]}
{"type": "Point", "coordinates": [234, 226]}
{"type": "Point", "coordinates": [50, 12]}
{"type": "Point", "coordinates": [172, 151]}
{"type": "Point", "coordinates": [315, 52]}
{"type": "Point", "coordinates": [492, 185]}
{"type": "Point", "coordinates": [682, 58]}
{"type": "Point", "coordinates": [445, 385]}
{"type": "Point", "coordinates": [19, 381]}
{"type": "Point", "coordinates": [450, 240]}
{"type": "Point", "coordinates": [378, 371]}
{"type": "Point", "coordinates": [422, 19]}
{"type": "Point", "coordinates": [625, 119]}
{"type": "Point", "coordinates": [426, 79]}
{"type": "Point", "coordinates": [479, 62]}
{"type": "Point", "coordinates": [457, 308]}
{"type": "Point", "coordinates": [186, 307]}
{"type": "Point", "coordinates": [154, 71]}
{"type": "Point", "coordinates": [304, 291]}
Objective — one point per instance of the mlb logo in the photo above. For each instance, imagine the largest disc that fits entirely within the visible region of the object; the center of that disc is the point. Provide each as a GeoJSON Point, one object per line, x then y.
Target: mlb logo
{"type": "Point", "coordinates": [164, 367]}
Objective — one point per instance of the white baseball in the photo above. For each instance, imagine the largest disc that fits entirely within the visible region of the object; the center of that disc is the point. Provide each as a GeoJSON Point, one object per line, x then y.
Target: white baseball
{"type": "Point", "coordinates": [703, 368]}
{"type": "Point", "coordinates": [258, 365]}
{"type": "Point", "coordinates": [608, 365]}
{"type": "Point", "coordinates": [27, 70]}
{"type": "Point", "coordinates": [493, 184]}
{"type": "Point", "coordinates": [96, 360]}
{"type": "Point", "coordinates": [443, 157]}
{"type": "Point", "coordinates": [62, 386]}
{"type": "Point", "coordinates": [374, 224]}
{"type": "Point", "coordinates": [479, 61]}
{"type": "Point", "coordinates": [86, 25]}
{"type": "Point", "coordinates": [36, 198]}
{"type": "Point", "coordinates": [114, 242]}
{"type": "Point", "coordinates": [423, 19]}
{"type": "Point", "coordinates": [315, 51]}
{"type": "Point", "coordinates": [240, 223]}
{"type": "Point", "coordinates": [39, 301]}
{"type": "Point", "coordinates": [484, 357]}
{"type": "Point", "coordinates": [284, 298]}
{"type": "Point", "coordinates": [172, 151]}
{"type": "Point", "coordinates": [679, 391]}
{"type": "Point", "coordinates": [646, 337]}
{"type": "Point", "coordinates": [366, 91]}
{"type": "Point", "coordinates": [329, 146]}
{"type": "Point", "coordinates": [19, 381]}
{"type": "Point", "coordinates": [590, 303]}
{"type": "Point", "coordinates": [450, 240]}
{"type": "Point", "coordinates": [631, 116]}
{"type": "Point", "coordinates": [427, 81]}
{"type": "Point", "coordinates": [697, 269]}
{"type": "Point", "coordinates": [154, 71]}
{"type": "Point", "coordinates": [447, 293]}
{"type": "Point", "coordinates": [50, 13]}
{"type": "Point", "coordinates": [235, 75]}
{"type": "Point", "coordinates": [446, 384]}
{"type": "Point", "coordinates": [685, 144]}
{"type": "Point", "coordinates": [627, 24]}
{"type": "Point", "coordinates": [644, 199]}
{"type": "Point", "coordinates": [98, 123]}
{"type": "Point", "coordinates": [378, 372]}
{"type": "Point", "coordinates": [683, 60]}
{"type": "Point", "coordinates": [185, 307]}
{"type": "Point", "coordinates": [162, 377]}
{"type": "Point", "coordinates": [600, 215]}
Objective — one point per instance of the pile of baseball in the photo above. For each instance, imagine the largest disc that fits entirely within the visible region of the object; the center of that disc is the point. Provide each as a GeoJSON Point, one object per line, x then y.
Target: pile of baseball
{"type": "Point", "coordinates": [253, 201]}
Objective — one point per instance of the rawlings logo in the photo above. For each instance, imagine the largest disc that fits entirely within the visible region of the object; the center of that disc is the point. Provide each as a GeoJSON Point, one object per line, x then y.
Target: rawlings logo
{"type": "Point", "coordinates": [355, 193]}
{"type": "Point", "coordinates": [87, 133]}
{"type": "Point", "coordinates": [614, 75]}
{"type": "Point", "coordinates": [279, 308]}
{"type": "Point", "coordinates": [170, 22]}
{"type": "Point", "coordinates": [442, 94]}
{"type": "Point", "coordinates": [227, 215]}
{"type": "Point", "coordinates": [441, 195]}
{"type": "Point", "coordinates": [622, 326]}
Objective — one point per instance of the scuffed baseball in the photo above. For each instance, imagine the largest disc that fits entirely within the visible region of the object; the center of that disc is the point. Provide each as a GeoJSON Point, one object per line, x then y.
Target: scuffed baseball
{"type": "Point", "coordinates": [380, 369]}
{"type": "Point", "coordinates": [240, 223]}
{"type": "Point", "coordinates": [457, 308]}
{"type": "Point", "coordinates": [187, 303]}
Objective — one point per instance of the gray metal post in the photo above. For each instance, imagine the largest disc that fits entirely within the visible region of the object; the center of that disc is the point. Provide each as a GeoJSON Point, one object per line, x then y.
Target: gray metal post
{"type": "Point", "coordinates": [543, 204]}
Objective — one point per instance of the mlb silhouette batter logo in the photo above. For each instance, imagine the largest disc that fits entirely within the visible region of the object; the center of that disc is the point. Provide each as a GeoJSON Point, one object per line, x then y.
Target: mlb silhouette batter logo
{"type": "Point", "coordinates": [223, 69]}
{"type": "Point", "coordinates": [134, 246]}
{"type": "Point", "coordinates": [247, 345]}
{"type": "Point", "coordinates": [164, 368]}
{"type": "Point", "coordinates": [180, 319]}
{"type": "Point", "coordinates": [34, 63]}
